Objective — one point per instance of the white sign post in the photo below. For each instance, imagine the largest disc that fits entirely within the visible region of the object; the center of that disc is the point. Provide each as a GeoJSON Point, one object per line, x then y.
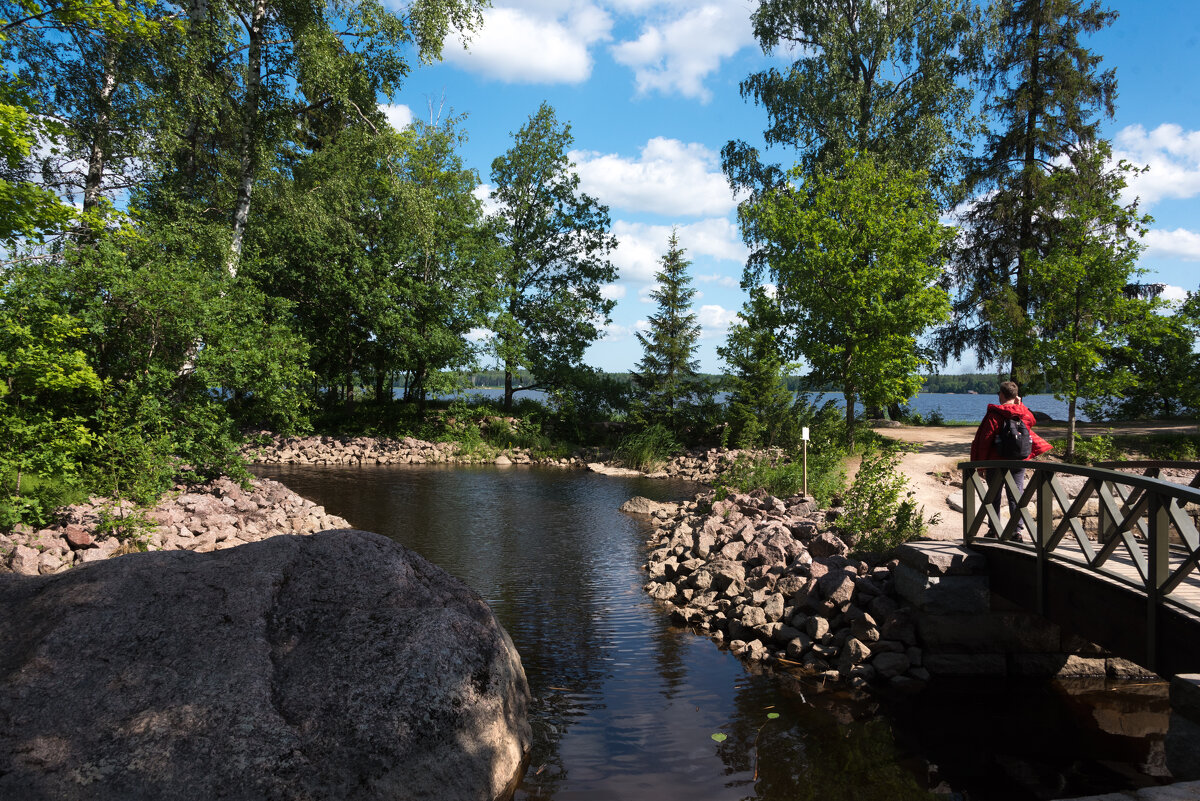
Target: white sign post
{"type": "Point", "coordinates": [804, 472]}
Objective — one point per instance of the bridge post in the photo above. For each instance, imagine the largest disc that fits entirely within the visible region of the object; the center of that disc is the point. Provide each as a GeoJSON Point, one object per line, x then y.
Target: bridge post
{"type": "Point", "coordinates": [969, 501]}
{"type": "Point", "coordinates": [1042, 534]}
{"type": "Point", "coordinates": [1158, 567]}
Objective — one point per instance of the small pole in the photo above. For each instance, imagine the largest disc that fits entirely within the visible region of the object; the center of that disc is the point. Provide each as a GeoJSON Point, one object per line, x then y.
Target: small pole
{"type": "Point", "coordinates": [804, 471]}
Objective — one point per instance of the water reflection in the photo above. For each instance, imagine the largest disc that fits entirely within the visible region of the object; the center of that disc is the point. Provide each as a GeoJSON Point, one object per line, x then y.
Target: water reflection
{"type": "Point", "coordinates": [625, 704]}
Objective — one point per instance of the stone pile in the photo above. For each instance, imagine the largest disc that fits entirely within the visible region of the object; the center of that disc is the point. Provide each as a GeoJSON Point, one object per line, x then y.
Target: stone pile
{"type": "Point", "coordinates": [771, 579]}
{"type": "Point", "coordinates": [706, 466]}
{"type": "Point", "coordinates": [328, 450]}
{"type": "Point", "coordinates": [209, 517]}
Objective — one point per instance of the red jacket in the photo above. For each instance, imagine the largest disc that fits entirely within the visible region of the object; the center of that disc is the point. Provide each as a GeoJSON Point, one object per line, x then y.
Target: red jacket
{"type": "Point", "coordinates": [983, 448]}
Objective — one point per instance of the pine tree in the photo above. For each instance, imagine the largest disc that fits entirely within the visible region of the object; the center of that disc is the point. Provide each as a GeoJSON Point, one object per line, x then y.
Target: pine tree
{"type": "Point", "coordinates": [1045, 96]}
{"type": "Point", "coordinates": [666, 377]}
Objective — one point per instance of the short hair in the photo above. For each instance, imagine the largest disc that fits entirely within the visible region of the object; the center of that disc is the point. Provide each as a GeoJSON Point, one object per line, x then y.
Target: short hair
{"type": "Point", "coordinates": [1009, 390]}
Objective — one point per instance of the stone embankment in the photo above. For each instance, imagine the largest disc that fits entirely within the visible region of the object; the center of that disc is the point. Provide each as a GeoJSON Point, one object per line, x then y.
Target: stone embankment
{"type": "Point", "coordinates": [698, 465]}
{"type": "Point", "coordinates": [210, 517]}
{"type": "Point", "coordinates": [327, 450]}
{"type": "Point", "coordinates": [771, 579]}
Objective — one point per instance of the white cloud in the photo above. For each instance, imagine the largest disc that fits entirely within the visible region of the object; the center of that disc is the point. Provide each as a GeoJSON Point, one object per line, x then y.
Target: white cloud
{"type": "Point", "coordinates": [642, 246]}
{"type": "Point", "coordinates": [612, 291]}
{"type": "Point", "coordinates": [677, 55]}
{"type": "Point", "coordinates": [612, 332]}
{"type": "Point", "coordinates": [1178, 244]}
{"type": "Point", "coordinates": [399, 115]}
{"type": "Point", "coordinates": [478, 335]}
{"type": "Point", "coordinates": [669, 177]}
{"type": "Point", "coordinates": [719, 280]}
{"type": "Point", "coordinates": [715, 321]}
{"type": "Point", "coordinates": [484, 193]}
{"type": "Point", "coordinates": [1173, 294]}
{"type": "Point", "coordinates": [1173, 156]}
{"type": "Point", "coordinates": [537, 43]}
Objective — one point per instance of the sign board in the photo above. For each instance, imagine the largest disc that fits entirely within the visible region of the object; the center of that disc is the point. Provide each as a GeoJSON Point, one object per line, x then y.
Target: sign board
{"type": "Point", "coordinates": [803, 433]}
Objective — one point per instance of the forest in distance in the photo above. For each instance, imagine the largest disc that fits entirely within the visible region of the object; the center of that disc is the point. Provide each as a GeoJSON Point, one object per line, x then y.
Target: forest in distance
{"type": "Point", "coordinates": [211, 228]}
{"type": "Point", "coordinates": [979, 383]}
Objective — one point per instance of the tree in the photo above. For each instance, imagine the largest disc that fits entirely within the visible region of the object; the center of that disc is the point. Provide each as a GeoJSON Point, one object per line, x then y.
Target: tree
{"type": "Point", "coordinates": [666, 376]}
{"type": "Point", "coordinates": [868, 77]}
{"type": "Point", "coordinates": [554, 261]}
{"type": "Point", "coordinates": [1080, 279]}
{"type": "Point", "coordinates": [855, 254]}
{"type": "Point", "coordinates": [1045, 97]}
{"type": "Point", "coordinates": [1152, 373]}
{"type": "Point", "coordinates": [759, 398]}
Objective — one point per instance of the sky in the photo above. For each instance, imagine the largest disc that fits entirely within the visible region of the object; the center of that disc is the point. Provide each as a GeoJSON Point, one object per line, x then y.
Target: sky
{"type": "Point", "coordinates": [650, 90]}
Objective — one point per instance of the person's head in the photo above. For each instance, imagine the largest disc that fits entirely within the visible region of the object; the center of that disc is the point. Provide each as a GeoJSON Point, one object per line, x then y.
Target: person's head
{"type": "Point", "coordinates": [1009, 390]}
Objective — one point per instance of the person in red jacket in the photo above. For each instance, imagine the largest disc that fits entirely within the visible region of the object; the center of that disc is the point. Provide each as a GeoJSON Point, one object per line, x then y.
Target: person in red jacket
{"type": "Point", "coordinates": [985, 448]}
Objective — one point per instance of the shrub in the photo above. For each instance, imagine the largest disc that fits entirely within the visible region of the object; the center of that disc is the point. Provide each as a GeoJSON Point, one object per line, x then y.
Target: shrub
{"type": "Point", "coordinates": [647, 449]}
{"type": "Point", "coordinates": [826, 476]}
{"type": "Point", "coordinates": [880, 513]}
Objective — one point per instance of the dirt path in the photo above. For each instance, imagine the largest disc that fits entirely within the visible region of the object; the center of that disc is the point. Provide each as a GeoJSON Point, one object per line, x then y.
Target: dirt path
{"type": "Point", "coordinates": [935, 462]}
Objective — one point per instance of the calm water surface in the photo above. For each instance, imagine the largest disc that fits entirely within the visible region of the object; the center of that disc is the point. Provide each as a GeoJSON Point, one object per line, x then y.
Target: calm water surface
{"type": "Point", "coordinates": [952, 406]}
{"type": "Point", "coordinates": [625, 704]}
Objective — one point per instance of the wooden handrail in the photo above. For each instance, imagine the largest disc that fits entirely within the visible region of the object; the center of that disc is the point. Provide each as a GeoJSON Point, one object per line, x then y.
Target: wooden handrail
{"type": "Point", "coordinates": [1137, 516]}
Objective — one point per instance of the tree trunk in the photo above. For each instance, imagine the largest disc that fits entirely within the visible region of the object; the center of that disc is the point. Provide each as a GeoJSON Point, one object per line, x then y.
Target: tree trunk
{"type": "Point", "coordinates": [508, 387]}
{"type": "Point", "coordinates": [98, 151]}
{"type": "Point", "coordinates": [248, 163]}
{"type": "Point", "coordinates": [1070, 429]}
{"type": "Point", "coordinates": [850, 394]}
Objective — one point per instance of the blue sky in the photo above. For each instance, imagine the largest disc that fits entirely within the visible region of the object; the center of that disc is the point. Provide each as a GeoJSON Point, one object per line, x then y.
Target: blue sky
{"type": "Point", "coordinates": [650, 88]}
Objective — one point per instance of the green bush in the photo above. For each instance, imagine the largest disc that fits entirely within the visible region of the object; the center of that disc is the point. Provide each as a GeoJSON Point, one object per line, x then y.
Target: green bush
{"type": "Point", "coordinates": [1090, 450]}
{"type": "Point", "coordinates": [880, 513]}
{"type": "Point", "coordinates": [647, 449]}
{"type": "Point", "coordinates": [826, 476]}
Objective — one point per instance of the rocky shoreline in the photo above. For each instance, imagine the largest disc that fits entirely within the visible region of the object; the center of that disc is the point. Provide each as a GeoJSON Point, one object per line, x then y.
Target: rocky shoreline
{"type": "Point", "coordinates": [221, 514]}
{"type": "Point", "coordinates": [700, 465]}
{"type": "Point", "coordinates": [772, 581]}
{"type": "Point", "coordinates": [209, 517]}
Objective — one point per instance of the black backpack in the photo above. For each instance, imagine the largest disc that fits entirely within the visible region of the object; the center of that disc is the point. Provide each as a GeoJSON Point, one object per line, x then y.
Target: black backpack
{"type": "Point", "coordinates": [1013, 440]}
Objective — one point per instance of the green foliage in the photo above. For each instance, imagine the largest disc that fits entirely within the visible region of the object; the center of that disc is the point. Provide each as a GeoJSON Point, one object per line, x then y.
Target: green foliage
{"type": "Point", "coordinates": [648, 449]}
{"type": "Point", "coordinates": [1044, 98]}
{"type": "Point", "coordinates": [1155, 368]}
{"type": "Point", "coordinates": [554, 261]}
{"type": "Point", "coordinates": [854, 253]}
{"type": "Point", "coordinates": [1089, 450]}
{"type": "Point", "coordinates": [759, 400]}
{"type": "Point", "coordinates": [46, 388]}
{"type": "Point", "coordinates": [880, 513]}
{"type": "Point", "coordinates": [868, 78]}
{"type": "Point", "coordinates": [131, 526]}
{"type": "Point", "coordinates": [666, 379]}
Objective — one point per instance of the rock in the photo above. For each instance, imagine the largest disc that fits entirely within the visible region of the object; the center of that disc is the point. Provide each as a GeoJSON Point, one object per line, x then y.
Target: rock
{"type": "Point", "coordinates": [502, 461]}
{"type": "Point", "coordinates": [889, 665]}
{"type": "Point", "coordinates": [77, 536]}
{"type": "Point", "coordinates": [827, 545]}
{"type": "Point", "coordinates": [643, 506]}
{"type": "Point", "coordinates": [608, 470]}
{"type": "Point", "coordinates": [25, 561]}
{"type": "Point", "coordinates": [329, 666]}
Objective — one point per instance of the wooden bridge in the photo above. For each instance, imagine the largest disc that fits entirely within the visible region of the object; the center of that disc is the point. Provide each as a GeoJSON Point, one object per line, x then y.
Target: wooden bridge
{"type": "Point", "coordinates": [1118, 564]}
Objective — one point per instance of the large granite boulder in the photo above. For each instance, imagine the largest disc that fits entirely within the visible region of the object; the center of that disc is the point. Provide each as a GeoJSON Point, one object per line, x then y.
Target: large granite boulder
{"type": "Point", "coordinates": [335, 666]}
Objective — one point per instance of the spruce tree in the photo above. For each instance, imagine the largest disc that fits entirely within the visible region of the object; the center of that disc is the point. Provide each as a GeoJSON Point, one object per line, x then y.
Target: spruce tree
{"type": "Point", "coordinates": [758, 399]}
{"type": "Point", "coordinates": [1045, 97]}
{"type": "Point", "coordinates": [666, 378]}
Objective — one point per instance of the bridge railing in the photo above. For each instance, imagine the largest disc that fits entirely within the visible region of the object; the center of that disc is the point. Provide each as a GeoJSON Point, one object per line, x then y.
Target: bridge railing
{"type": "Point", "coordinates": [1139, 518]}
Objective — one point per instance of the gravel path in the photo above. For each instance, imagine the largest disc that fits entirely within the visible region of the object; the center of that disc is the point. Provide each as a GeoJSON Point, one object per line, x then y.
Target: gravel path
{"type": "Point", "coordinates": [934, 464]}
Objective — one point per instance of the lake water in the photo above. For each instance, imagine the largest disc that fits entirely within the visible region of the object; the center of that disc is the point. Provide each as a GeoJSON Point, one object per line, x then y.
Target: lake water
{"type": "Point", "coordinates": [952, 406]}
{"type": "Point", "coordinates": [625, 704]}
